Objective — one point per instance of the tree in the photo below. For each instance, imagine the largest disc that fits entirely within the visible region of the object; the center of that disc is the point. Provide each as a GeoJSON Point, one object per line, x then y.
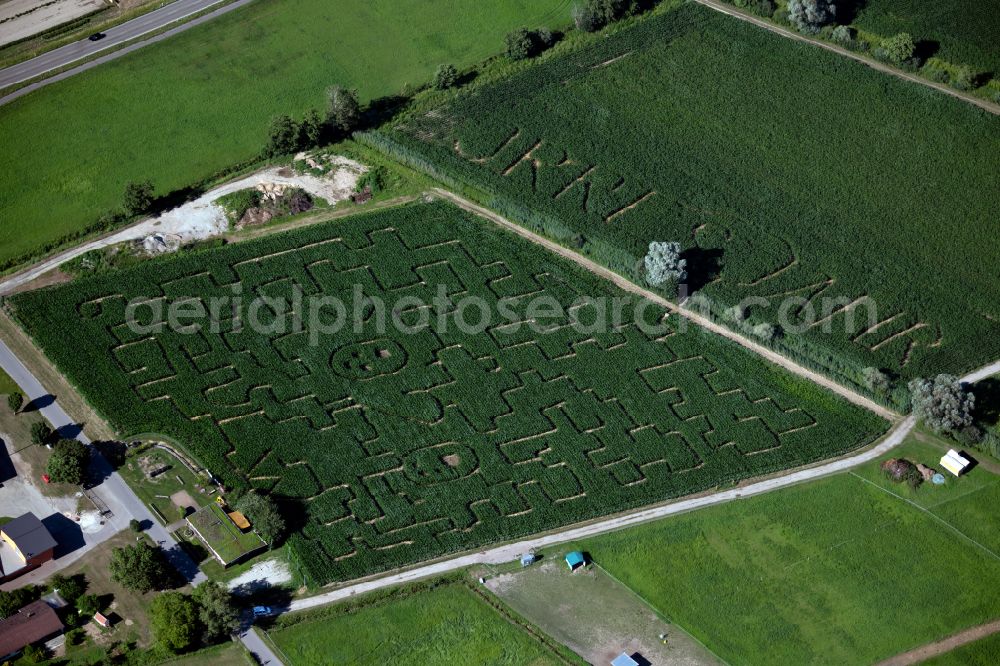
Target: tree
{"type": "Point", "coordinates": [876, 380]}
{"type": "Point", "coordinates": [664, 264]}
{"type": "Point", "coordinates": [943, 403]}
{"type": "Point", "coordinates": [13, 601]}
{"type": "Point", "coordinates": [88, 604]}
{"type": "Point", "coordinates": [15, 400]}
{"type": "Point", "coordinates": [138, 197]}
{"type": "Point", "coordinates": [311, 129]}
{"type": "Point", "coordinates": [283, 136]}
{"type": "Point", "coordinates": [344, 111]}
{"type": "Point", "coordinates": [518, 44]}
{"type": "Point", "coordinates": [445, 77]}
{"type": "Point", "coordinates": [264, 515]}
{"type": "Point", "coordinates": [174, 618]}
{"type": "Point", "coordinates": [35, 654]}
{"type": "Point", "coordinates": [216, 610]}
{"type": "Point", "coordinates": [898, 48]}
{"type": "Point", "coordinates": [522, 43]}
{"type": "Point", "coordinates": [68, 462]}
{"type": "Point", "coordinates": [40, 432]}
{"type": "Point", "coordinates": [591, 15]}
{"type": "Point", "coordinates": [811, 15]}
{"type": "Point", "coordinates": [140, 567]}
{"type": "Point", "coordinates": [963, 78]}
{"type": "Point", "coordinates": [135, 525]}
{"type": "Point", "coordinates": [70, 588]}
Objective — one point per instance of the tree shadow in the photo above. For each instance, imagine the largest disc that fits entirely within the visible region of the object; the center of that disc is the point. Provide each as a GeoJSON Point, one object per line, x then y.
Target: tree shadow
{"type": "Point", "coordinates": [7, 470]}
{"type": "Point", "coordinates": [69, 431]}
{"type": "Point", "coordinates": [987, 394]}
{"type": "Point", "coordinates": [848, 10]}
{"type": "Point", "coordinates": [39, 403]}
{"type": "Point", "coordinates": [382, 109]}
{"type": "Point", "coordinates": [926, 48]}
{"type": "Point", "coordinates": [703, 266]}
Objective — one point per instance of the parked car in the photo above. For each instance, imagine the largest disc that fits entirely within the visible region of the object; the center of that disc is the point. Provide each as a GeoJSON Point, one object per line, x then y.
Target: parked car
{"type": "Point", "coordinates": [97, 36]}
{"type": "Point", "coordinates": [262, 611]}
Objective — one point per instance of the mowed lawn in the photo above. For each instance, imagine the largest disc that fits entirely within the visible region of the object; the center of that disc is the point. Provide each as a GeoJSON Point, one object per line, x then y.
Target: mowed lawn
{"type": "Point", "coordinates": [834, 571]}
{"type": "Point", "coordinates": [960, 31]}
{"type": "Point", "coordinates": [447, 625]}
{"type": "Point", "coordinates": [178, 111]}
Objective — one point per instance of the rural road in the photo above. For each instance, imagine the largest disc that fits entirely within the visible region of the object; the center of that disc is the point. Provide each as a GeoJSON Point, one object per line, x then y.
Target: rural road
{"type": "Point", "coordinates": [115, 36]}
{"type": "Point", "coordinates": [112, 490]}
{"type": "Point", "coordinates": [252, 640]}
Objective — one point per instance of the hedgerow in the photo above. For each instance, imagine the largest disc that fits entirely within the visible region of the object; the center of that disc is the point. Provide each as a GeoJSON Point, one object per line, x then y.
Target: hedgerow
{"type": "Point", "coordinates": [786, 172]}
{"type": "Point", "coordinates": [386, 448]}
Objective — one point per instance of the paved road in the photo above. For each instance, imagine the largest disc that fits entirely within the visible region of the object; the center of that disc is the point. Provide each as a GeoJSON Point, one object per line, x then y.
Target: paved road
{"type": "Point", "coordinates": [112, 490]}
{"type": "Point", "coordinates": [260, 649]}
{"type": "Point", "coordinates": [119, 34]}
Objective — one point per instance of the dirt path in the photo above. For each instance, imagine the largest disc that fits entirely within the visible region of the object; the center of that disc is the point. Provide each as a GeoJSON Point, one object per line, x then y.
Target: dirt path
{"type": "Point", "coordinates": [631, 287]}
{"type": "Point", "coordinates": [730, 10]}
{"type": "Point", "coordinates": [925, 652]}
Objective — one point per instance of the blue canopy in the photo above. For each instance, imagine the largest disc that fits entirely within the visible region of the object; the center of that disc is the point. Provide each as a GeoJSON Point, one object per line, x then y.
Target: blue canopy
{"type": "Point", "coordinates": [575, 559]}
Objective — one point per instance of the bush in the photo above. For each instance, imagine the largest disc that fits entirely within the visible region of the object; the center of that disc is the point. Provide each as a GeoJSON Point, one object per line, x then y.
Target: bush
{"type": "Point", "coordinates": [445, 77]}
{"type": "Point", "coordinates": [842, 34]}
{"type": "Point", "coordinates": [963, 78]}
{"type": "Point", "coordinates": [135, 525]}
{"type": "Point", "coordinates": [15, 401]}
{"type": "Point", "coordinates": [373, 179]}
{"type": "Point", "coordinates": [897, 49]}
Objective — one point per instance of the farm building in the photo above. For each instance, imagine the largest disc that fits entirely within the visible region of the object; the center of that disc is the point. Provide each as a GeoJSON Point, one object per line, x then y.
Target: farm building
{"type": "Point", "coordinates": [624, 659]}
{"type": "Point", "coordinates": [32, 624]}
{"type": "Point", "coordinates": [575, 560]}
{"type": "Point", "coordinates": [955, 462]}
{"type": "Point", "coordinates": [25, 544]}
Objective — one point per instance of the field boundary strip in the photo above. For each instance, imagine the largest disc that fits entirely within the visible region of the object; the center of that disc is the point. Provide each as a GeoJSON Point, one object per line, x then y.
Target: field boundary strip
{"type": "Point", "coordinates": [629, 286]}
{"type": "Point", "coordinates": [932, 514]}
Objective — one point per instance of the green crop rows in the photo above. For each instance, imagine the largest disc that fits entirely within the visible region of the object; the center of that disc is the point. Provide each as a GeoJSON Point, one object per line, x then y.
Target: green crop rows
{"type": "Point", "coordinates": [790, 174]}
{"type": "Point", "coordinates": [388, 448]}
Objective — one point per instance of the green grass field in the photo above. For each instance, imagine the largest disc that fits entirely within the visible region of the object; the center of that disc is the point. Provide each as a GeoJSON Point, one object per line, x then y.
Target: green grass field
{"type": "Point", "coordinates": [965, 31]}
{"type": "Point", "coordinates": [831, 191]}
{"type": "Point", "coordinates": [178, 111]}
{"type": "Point", "coordinates": [444, 626]}
{"type": "Point", "coordinates": [834, 571]}
{"type": "Point", "coordinates": [391, 447]}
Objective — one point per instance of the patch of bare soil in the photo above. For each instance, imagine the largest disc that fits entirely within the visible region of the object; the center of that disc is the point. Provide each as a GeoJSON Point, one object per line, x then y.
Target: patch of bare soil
{"type": "Point", "coordinates": [55, 276]}
{"type": "Point", "coordinates": [451, 460]}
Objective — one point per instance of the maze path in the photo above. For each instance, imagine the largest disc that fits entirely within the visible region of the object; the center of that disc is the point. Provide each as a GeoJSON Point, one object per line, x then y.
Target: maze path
{"type": "Point", "coordinates": [398, 446]}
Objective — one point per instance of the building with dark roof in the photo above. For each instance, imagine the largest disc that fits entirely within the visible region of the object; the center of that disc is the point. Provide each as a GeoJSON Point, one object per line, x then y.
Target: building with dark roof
{"type": "Point", "coordinates": [34, 623]}
{"type": "Point", "coordinates": [25, 544]}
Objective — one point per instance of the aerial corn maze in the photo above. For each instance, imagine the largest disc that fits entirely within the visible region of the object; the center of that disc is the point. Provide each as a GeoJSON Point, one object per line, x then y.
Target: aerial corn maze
{"type": "Point", "coordinates": [390, 446]}
{"type": "Point", "coordinates": [854, 204]}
